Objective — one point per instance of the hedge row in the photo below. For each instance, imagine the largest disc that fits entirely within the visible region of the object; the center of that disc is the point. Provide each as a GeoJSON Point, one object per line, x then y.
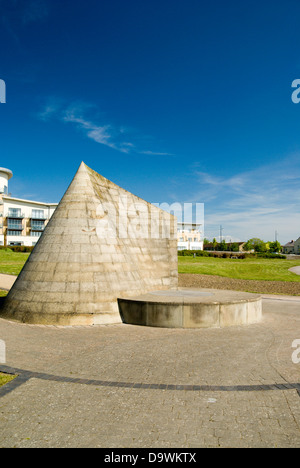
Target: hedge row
{"type": "Point", "coordinates": [17, 248]}
{"type": "Point", "coordinates": [204, 253]}
{"type": "Point", "coordinates": [218, 254]}
{"type": "Point", "coordinates": [270, 255]}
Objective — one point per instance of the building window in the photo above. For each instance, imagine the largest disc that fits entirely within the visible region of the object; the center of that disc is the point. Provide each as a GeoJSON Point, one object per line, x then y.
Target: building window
{"type": "Point", "coordinates": [14, 224]}
{"type": "Point", "coordinates": [38, 214]}
{"type": "Point", "coordinates": [35, 234]}
{"type": "Point", "coordinates": [14, 213]}
{"type": "Point", "coordinates": [37, 225]}
{"type": "Point", "coordinates": [14, 233]}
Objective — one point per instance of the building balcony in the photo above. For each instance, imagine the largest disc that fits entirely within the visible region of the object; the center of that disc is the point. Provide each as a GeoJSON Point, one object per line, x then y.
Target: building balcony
{"type": "Point", "coordinates": [14, 227]}
{"type": "Point", "coordinates": [12, 215]}
{"type": "Point", "coordinates": [39, 217]}
{"type": "Point", "coordinates": [37, 228]}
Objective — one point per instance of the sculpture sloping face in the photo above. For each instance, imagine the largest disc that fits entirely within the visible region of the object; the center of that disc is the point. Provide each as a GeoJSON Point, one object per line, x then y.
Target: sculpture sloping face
{"type": "Point", "coordinates": [101, 243]}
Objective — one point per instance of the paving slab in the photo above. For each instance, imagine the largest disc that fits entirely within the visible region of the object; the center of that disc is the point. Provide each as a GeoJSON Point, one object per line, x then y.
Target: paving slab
{"type": "Point", "coordinates": [131, 386]}
{"type": "Point", "coordinates": [7, 282]}
{"type": "Point", "coordinates": [295, 270]}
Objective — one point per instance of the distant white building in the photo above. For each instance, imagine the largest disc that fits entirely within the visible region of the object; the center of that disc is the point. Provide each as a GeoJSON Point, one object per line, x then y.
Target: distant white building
{"type": "Point", "coordinates": [22, 222]}
{"type": "Point", "coordinates": [189, 236]}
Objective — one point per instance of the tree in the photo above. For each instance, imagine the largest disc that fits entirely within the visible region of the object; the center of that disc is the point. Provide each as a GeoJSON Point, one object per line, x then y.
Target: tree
{"type": "Point", "coordinates": [256, 244]}
{"type": "Point", "coordinates": [275, 246]}
{"type": "Point", "coordinates": [222, 245]}
{"type": "Point", "coordinates": [234, 247]}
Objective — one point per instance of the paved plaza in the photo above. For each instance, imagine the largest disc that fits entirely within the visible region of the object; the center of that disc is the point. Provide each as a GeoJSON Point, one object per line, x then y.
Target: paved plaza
{"type": "Point", "coordinates": [130, 386]}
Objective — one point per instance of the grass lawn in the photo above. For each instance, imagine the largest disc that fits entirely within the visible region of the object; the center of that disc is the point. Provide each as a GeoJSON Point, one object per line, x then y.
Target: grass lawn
{"type": "Point", "coordinates": [5, 378]}
{"type": "Point", "coordinates": [260, 269]}
{"type": "Point", "coordinates": [11, 263]}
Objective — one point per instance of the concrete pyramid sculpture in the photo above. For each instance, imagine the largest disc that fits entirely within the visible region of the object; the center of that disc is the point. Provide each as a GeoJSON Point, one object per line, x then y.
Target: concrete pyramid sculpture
{"type": "Point", "coordinates": [101, 243]}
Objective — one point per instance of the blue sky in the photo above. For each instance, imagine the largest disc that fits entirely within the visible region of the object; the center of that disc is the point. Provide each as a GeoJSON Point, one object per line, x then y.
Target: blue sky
{"type": "Point", "coordinates": [185, 101]}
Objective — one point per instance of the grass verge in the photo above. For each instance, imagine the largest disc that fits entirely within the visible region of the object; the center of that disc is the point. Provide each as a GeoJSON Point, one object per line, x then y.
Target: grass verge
{"type": "Point", "coordinates": [11, 263]}
{"type": "Point", "coordinates": [259, 269]}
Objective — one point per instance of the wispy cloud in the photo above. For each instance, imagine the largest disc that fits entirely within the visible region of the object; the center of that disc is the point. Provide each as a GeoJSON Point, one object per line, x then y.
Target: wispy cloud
{"type": "Point", "coordinates": [52, 108]}
{"type": "Point", "coordinates": [153, 153]}
{"type": "Point", "coordinates": [100, 134]}
{"type": "Point", "coordinates": [254, 203]}
{"type": "Point", "coordinates": [87, 119]}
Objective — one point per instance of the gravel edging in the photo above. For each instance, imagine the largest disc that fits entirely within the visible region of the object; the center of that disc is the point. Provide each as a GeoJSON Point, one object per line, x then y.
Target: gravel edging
{"type": "Point", "coordinates": [188, 280]}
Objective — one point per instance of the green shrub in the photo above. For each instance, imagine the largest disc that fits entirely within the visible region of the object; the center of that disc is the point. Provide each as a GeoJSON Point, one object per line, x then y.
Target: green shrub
{"type": "Point", "coordinates": [216, 254]}
{"type": "Point", "coordinates": [220, 254]}
{"type": "Point", "coordinates": [192, 253]}
{"type": "Point", "coordinates": [17, 248]}
{"type": "Point", "coordinates": [271, 255]}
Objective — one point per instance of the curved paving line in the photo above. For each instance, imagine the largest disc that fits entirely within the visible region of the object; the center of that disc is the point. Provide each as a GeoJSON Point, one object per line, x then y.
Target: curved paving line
{"type": "Point", "coordinates": [23, 376]}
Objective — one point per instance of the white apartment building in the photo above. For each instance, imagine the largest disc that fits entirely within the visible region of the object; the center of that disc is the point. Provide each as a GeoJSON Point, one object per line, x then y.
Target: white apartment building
{"type": "Point", "coordinates": [21, 221]}
{"type": "Point", "coordinates": [189, 236]}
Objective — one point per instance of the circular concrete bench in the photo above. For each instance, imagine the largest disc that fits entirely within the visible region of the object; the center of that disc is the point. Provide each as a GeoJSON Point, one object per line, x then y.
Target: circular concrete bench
{"type": "Point", "coordinates": [188, 308]}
